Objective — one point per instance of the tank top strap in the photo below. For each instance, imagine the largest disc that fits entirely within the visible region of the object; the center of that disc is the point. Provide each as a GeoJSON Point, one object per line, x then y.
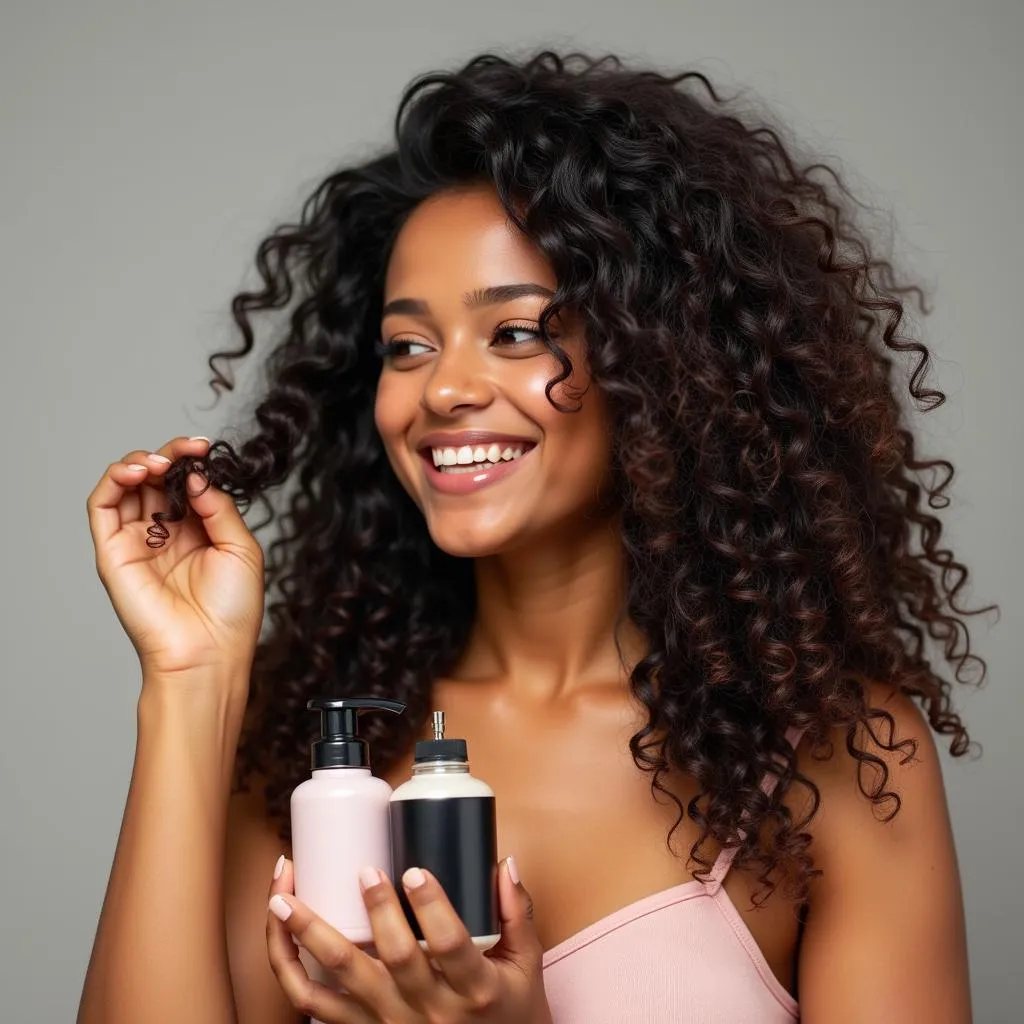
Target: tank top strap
{"type": "Point", "coordinates": [728, 853]}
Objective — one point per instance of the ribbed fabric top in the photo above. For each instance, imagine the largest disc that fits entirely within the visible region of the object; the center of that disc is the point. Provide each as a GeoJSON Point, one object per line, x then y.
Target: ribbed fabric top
{"type": "Point", "coordinates": [680, 956]}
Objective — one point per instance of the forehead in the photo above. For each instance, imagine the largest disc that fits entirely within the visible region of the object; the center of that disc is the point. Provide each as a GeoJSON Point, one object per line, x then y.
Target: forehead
{"type": "Point", "coordinates": [460, 240]}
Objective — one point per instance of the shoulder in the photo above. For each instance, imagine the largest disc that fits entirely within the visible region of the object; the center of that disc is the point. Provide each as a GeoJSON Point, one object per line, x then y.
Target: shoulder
{"type": "Point", "coordinates": [884, 937]}
{"type": "Point", "coordinates": [884, 785]}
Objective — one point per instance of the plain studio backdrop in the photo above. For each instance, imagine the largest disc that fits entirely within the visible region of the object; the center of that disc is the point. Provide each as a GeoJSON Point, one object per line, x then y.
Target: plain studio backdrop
{"type": "Point", "coordinates": [147, 147]}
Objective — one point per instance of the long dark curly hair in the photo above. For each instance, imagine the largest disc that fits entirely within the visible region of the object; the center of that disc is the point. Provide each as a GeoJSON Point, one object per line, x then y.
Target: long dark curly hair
{"type": "Point", "coordinates": [777, 519]}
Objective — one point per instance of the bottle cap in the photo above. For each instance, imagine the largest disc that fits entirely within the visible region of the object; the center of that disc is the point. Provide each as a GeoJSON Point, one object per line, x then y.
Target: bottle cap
{"type": "Point", "coordinates": [440, 749]}
{"type": "Point", "coordinates": [340, 745]}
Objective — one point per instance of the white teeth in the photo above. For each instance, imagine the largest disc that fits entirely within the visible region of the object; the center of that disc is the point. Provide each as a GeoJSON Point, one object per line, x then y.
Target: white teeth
{"type": "Point", "coordinates": [469, 455]}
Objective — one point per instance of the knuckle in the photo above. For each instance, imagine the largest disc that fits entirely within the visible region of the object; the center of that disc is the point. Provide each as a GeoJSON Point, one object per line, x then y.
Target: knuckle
{"type": "Point", "coordinates": [482, 997]}
{"type": "Point", "coordinates": [448, 943]}
{"type": "Point", "coordinates": [305, 999]}
{"type": "Point", "coordinates": [337, 958]}
{"type": "Point", "coordinates": [400, 955]}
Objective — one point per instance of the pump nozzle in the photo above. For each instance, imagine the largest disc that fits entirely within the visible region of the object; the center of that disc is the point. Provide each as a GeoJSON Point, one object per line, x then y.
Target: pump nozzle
{"type": "Point", "coordinates": [339, 745]}
{"type": "Point", "coordinates": [439, 749]}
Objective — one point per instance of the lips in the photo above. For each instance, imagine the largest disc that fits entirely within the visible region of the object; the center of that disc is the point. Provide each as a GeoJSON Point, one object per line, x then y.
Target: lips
{"type": "Point", "coordinates": [461, 438]}
{"type": "Point", "coordinates": [473, 480]}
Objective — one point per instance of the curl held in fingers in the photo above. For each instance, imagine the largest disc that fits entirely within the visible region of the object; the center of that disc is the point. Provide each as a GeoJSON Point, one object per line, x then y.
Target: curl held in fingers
{"type": "Point", "coordinates": [132, 488]}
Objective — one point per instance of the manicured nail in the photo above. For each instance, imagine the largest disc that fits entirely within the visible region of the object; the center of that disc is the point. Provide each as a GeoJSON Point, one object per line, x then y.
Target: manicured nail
{"type": "Point", "coordinates": [199, 437]}
{"type": "Point", "coordinates": [413, 878]}
{"type": "Point", "coordinates": [134, 467]}
{"type": "Point", "coordinates": [279, 867]}
{"type": "Point", "coordinates": [157, 458]}
{"type": "Point", "coordinates": [369, 877]}
{"type": "Point", "coordinates": [513, 871]}
{"type": "Point", "coordinates": [279, 907]}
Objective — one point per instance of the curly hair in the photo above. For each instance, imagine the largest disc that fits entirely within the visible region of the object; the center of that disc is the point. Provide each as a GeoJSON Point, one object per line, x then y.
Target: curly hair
{"type": "Point", "coordinates": [777, 518]}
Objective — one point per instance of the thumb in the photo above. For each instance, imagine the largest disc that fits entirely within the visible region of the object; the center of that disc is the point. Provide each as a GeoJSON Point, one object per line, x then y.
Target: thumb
{"type": "Point", "coordinates": [221, 518]}
{"type": "Point", "coordinates": [519, 941]}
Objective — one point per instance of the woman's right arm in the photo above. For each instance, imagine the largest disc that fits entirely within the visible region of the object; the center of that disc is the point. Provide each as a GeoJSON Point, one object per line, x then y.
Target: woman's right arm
{"type": "Point", "coordinates": [192, 610]}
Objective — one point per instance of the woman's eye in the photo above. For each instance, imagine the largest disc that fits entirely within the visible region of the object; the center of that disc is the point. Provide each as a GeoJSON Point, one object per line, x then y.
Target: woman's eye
{"type": "Point", "coordinates": [400, 347]}
{"type": "Point", "coordinates": [515, 336]}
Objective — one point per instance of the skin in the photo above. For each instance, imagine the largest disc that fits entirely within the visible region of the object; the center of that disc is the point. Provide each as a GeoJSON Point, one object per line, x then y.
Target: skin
{"type": "Point", "coordinates": [884, 933]}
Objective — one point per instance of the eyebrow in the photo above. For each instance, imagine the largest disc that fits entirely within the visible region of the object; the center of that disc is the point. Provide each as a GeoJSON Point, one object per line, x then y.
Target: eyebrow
{"type": "Point", "coordinates": [473, 300]}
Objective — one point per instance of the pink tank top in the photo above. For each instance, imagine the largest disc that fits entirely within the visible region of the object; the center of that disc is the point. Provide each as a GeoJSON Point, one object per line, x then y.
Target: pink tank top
{"type": "Point", "coordinates": [680, 956]}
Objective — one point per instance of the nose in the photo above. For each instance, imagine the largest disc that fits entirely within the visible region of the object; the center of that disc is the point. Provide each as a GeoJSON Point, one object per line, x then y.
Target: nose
{"type": "Point", "coordinates": [458, 380]}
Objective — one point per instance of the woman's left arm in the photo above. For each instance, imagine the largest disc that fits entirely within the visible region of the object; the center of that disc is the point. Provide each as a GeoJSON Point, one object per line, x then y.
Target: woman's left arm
{"type": "Point", "coordinates": [884, 939]}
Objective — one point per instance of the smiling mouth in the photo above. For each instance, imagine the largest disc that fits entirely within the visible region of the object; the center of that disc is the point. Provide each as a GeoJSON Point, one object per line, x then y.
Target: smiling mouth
{"type": "Point", "coordinates": [474, 458]}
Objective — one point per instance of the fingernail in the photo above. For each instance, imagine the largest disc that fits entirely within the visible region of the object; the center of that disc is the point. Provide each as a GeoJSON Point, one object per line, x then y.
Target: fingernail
{"type": "Point", "coordinates": [369, 877]}
{"type": "Point", "coordinates": [279, 867]}
{"type": "Point", "coordinates": [157, 458]}
{"type": "Point", "coordinates": [135, 467]}
{"type": "Point", "coordinates": [199, 437]}
{"type": "Point", "coordinates": [513, 871]}
{"type": "Point", "coordinates": [413, 878]}
{"type": "Point", "coordinates": [279, 907]}
{"type": "Point", "coordinates": [196, 484]}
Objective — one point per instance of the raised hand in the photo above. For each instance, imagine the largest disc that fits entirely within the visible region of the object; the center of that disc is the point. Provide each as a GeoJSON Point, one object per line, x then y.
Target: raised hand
{"type": "Point", "coordinates": [196, 601]}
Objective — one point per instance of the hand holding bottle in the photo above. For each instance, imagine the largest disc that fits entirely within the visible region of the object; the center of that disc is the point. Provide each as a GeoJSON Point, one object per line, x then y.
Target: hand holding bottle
{"type": "Point", "coordinates": [196, 602]}
{"type": "Point", "coordinates": [454, 982]}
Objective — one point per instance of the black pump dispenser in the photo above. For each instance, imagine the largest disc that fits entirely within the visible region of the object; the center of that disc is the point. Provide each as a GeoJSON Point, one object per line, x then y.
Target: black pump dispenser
{"type": "Point", "coordinates": [340, 745]}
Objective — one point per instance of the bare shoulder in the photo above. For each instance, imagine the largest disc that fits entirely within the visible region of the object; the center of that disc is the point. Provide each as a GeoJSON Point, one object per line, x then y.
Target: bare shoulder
{"type": "Point", "coordinates": [252, 847]}
{"type": "Point", "coordinates": [897, 764]}
{"type": "Point", "coordinates": [884, 938]}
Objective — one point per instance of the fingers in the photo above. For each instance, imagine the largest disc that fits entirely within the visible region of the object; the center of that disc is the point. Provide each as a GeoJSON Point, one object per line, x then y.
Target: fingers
{"type": "Point", "coordinates": [115, 499]}
{"type": "Point", "coordinates": [307, 996]}
{"type": "Point", "coordinates": [519, 941]}
{"type": "Point", "coordinates": [398, 949]}
{"type": "Point", "coordinates": [365, 980]}
{"type": "Point", "coordinates": [464, 966]}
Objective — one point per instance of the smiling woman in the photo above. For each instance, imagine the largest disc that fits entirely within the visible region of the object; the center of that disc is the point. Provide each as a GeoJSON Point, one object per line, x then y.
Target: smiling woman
{"type": "Point", "coordinates": [587, 388]}
{"type": "Point", "coordinates": [463, 402]}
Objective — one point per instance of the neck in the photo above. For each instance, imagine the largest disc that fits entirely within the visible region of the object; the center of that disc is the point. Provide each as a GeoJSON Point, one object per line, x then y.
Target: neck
{"type": "Point", "coordinates": [548, 616]}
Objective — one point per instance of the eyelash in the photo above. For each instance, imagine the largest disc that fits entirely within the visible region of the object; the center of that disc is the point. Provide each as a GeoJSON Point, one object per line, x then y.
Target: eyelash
{"type": "Point", "coordinates": [389, 348]}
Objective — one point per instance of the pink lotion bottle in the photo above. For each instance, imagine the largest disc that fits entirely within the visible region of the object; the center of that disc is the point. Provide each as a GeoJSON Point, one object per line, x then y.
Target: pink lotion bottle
{"type": "Point", "coordinates": [340, 818]}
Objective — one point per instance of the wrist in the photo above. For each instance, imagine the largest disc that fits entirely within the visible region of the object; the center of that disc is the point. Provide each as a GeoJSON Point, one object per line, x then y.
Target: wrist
{"type": "Point", "coordinates": [209, 692]}
{"type": "Point", "coordinates": [201, 682]}
{"type": "Point", "coordinates": [201, 712]}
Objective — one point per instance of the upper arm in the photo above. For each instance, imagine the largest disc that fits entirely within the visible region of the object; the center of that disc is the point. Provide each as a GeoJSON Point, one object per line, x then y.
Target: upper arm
{"type": "Point", "coordinates": [884, 937]}
{"type": "Point", "coordinates": [251, 850]}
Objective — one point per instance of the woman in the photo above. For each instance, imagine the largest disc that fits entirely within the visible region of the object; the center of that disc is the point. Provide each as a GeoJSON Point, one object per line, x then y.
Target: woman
{"type": "Point", "coordinates": [589, 391]}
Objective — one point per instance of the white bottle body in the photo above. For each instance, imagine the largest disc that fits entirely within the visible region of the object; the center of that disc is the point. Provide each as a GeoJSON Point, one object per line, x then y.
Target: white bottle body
{"type": "Point", "coordinates": [441, 786]}
{"type": "Point", "coordinates": [340, 823]}
{"type": "Point", "coordinates": [457, 844]}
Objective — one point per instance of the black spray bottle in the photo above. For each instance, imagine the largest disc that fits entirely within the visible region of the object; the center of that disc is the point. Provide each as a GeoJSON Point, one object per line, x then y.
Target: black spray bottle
{"type": "Point", "coordinates": [443, 820]}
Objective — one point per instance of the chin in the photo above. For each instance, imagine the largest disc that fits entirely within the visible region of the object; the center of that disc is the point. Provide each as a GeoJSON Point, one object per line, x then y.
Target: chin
{"type": "Point", "coordinates": [461, 541]}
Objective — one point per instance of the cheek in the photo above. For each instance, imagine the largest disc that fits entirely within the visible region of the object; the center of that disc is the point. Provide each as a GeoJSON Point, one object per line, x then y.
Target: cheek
{"type": "Point", "coordinates": [578, 443]}
{"type": "Point", "coordinates": [389, 412]}
{"type": "Point", "coordinates": [392, 421]}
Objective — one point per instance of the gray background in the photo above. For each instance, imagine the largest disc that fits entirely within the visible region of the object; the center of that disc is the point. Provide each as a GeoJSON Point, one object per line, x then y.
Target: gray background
{"type": "Point", "coordinates": [147, 147]}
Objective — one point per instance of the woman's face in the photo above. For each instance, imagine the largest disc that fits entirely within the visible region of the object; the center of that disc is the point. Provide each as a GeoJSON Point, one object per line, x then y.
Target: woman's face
{"type": "Point", "coordinates": [460, 403]}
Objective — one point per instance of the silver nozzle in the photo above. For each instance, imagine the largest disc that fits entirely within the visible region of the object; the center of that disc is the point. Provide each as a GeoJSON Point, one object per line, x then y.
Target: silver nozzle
{"type": "Point", "coordinates": [438, 725]}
